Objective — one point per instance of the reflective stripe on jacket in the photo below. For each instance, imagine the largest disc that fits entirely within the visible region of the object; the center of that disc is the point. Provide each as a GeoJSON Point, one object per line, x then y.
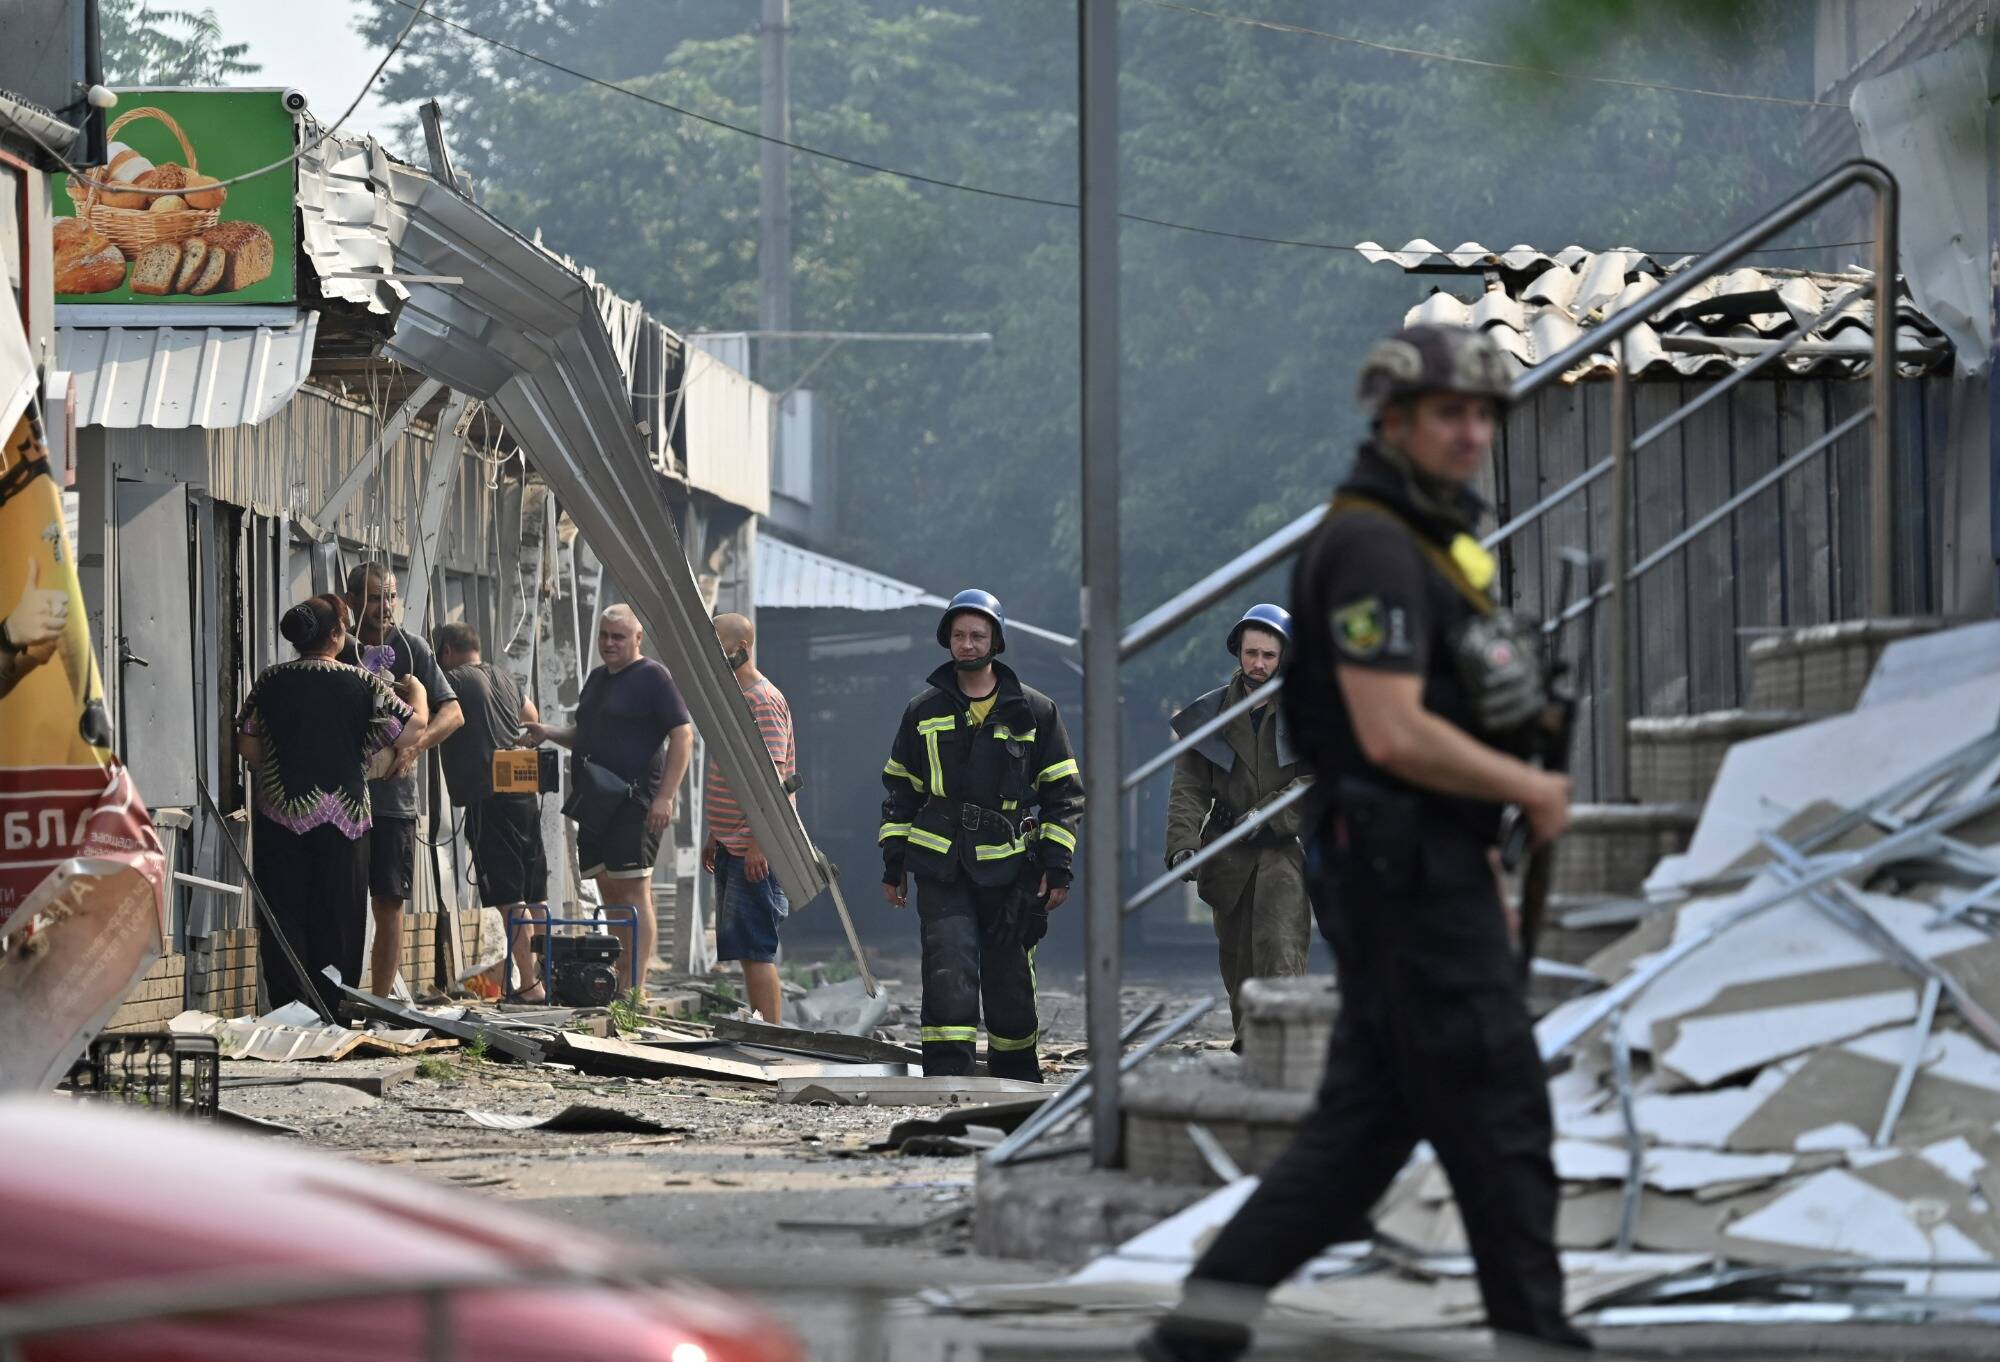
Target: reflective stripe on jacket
{"type": "Point", "coordinates": [1018, 763]}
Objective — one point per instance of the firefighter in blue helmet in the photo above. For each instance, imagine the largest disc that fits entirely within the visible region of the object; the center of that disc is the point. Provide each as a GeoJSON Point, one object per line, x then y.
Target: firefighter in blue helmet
{"type": "Point", "coordinates": [1255, 890]}
{"type": "Point", "coordinates": [984, 801]}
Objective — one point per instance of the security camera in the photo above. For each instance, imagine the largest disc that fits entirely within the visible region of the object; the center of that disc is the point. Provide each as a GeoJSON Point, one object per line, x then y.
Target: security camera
{"type": "Point", "coordinates": [295, 100]}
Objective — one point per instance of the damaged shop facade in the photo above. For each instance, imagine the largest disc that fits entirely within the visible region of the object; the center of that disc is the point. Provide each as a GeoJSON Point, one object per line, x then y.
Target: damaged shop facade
{"type": "Point", "coordinates": [445, 396]}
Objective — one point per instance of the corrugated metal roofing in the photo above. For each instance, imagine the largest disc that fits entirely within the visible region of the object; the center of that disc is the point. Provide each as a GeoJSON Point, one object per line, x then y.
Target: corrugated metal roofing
{"type": "Point", "coordinates": [791, 578]}
{"type": "Point", "coordinates": [169, 379]}
{"type": "Point", "coordinates": [344, 222]}
{"type": "Point", "coordinates": [1534, 303]}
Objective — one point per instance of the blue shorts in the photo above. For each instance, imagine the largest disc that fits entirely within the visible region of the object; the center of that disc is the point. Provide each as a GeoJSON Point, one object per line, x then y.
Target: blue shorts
{"type": "Point", "coordinates": [746, 914]}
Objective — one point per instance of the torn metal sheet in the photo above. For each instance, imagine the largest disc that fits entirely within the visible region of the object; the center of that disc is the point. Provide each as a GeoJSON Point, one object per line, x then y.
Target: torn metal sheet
{"type": "Point", "coordinates": [1844, 759]}
{"type": "Point", "coordinates": [819, 1044]}
{"type": "Point", "coordinates": [497, 1039]}
{"type": "Point", "coordinates": [624, 1058]}
{"type": "Point", "coordinates": [522, 332]}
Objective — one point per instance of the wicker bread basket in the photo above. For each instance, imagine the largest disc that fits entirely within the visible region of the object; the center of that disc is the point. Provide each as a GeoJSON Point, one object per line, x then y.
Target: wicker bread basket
{"type": "Point", "coordinates": [132, 230]}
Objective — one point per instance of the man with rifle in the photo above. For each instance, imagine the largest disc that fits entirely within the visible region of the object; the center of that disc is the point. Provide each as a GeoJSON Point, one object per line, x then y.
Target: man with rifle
{"type": "Point", "coordinates": [984, 801]}
{"type": "Point", "coordinates": [1409, 693]}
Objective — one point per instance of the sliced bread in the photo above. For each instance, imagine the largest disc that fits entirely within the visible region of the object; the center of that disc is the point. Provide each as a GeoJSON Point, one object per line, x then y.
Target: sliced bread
{"type": "Point", "coordinates": [248, 250]}
{"type": "Point", "coordinates": [212, 266]}
{"type": "Point", "coordinates": [153, 272]}
{"type": "Point", "coordinates": [193, 252]}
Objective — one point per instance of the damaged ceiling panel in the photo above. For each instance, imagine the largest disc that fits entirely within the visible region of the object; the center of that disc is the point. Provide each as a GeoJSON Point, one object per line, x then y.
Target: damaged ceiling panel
{"type": "Point", "coordinates": [1533, 304]}
{"type": "Point", "coordinates": [1813, 1092]}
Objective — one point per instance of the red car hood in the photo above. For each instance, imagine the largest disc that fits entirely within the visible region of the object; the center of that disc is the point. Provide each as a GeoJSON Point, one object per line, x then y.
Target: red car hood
{"type": "Point", "coordinates": [92, 1198]}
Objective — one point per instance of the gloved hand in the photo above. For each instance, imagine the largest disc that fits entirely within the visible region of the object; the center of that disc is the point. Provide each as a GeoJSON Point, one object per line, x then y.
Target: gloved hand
{"type": "Point", "coordinates": [38, 618]}
{"type": "Point", "coordinates": [1177, 858]}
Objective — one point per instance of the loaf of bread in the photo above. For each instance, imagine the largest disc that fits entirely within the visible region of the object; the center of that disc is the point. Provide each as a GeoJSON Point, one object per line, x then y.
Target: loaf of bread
{"type": "Point", "coordinates": [173, 175]}
{"type": "Point", "coordinates": [247, 253]}
{"type": "Point", "coordinates": [124, 168]}
{"type": "Point", "coordinates": [153, 272]}
{"type": "Point", "coordinates": [194, 252]}
{"type": "Point", "coordinates": [86, 261]}
{"type": "Point", "coordinates": [169, 203]}
{"type": "Point", "coordinates": [200, 195]}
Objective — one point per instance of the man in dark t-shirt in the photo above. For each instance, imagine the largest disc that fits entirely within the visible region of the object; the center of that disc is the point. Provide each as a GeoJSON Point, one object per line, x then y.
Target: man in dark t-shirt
{"type": "Point", "coordinates": [631, 721]}
{"type": "Point", "coordinates": [503, 830]}
{"type": "Point", "coordinates": [382, 647]}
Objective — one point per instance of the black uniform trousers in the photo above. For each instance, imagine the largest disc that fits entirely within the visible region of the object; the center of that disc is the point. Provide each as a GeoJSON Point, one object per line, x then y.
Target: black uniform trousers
{"type": "Point", "coordinates": [1413, 1057]}
{"type": "Point", "coordinates": [970, 956]}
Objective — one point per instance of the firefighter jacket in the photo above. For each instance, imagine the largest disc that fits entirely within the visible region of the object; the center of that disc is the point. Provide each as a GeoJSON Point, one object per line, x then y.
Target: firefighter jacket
{"type": "Point", "coordinates": [958, 793]}
{"type": "Point", "coordinates": [1221, 779]}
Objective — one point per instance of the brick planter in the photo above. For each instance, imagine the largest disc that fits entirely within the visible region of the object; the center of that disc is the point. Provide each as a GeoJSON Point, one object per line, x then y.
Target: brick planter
{"type": "Point", "coordinates": [1286, 1026]}
{"type": "Point", "coordinates": [1253, 1124]}
{"type": "Point", "coordinates": [1611, 848]}
{"type": "Point", "coordinates": [1674, 761]}
{"type": "Point", "coordinates": [1823, 670]}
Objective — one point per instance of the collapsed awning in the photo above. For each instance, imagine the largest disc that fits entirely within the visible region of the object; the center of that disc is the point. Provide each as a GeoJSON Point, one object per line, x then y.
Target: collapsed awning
{"type": "Point", "coordinates": [791, 578]}
{"type": "Point", "coordinates": [520, 330]}
{"type": "Point", "coordinates": [170, 378]}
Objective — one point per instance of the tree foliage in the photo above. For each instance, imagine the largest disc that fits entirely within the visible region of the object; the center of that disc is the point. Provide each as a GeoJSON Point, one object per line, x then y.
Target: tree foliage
{"type": "Point", "coordinates": [147, 45]}
{"type": "Point", "coordinates": [960, 467]}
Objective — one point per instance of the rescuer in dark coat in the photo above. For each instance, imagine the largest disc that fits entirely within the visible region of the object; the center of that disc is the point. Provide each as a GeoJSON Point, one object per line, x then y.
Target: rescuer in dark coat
{"type": "Point", "coordinates": [1255, 890]}
{"type": "Point", "coordinates": [984, 803]}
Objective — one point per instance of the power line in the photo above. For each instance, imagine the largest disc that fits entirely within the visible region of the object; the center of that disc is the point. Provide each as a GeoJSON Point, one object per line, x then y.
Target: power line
{"type": "Point", "coordinates": [1424, 54]}
{"type": "Point", "coordinates": [938, 182]}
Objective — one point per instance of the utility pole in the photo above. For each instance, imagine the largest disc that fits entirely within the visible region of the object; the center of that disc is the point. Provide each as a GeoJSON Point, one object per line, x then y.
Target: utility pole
{"type": "Point", "coordinates": [1097, 162]}
{"type": "Point", "coordinates": [774, 210]}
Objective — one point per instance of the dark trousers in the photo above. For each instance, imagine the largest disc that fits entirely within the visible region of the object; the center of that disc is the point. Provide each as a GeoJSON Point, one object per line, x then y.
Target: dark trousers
{"type": "Point", "coordinates": [1411, 1059]}
{"type": "Point", "coordinates": [968, 958]}
{"type": "Point", "coordinates": [317, 885]}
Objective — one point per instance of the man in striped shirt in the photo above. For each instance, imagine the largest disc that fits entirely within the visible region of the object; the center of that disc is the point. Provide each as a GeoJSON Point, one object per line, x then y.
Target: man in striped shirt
{"type": "Point", "coordinates": [749, 900]}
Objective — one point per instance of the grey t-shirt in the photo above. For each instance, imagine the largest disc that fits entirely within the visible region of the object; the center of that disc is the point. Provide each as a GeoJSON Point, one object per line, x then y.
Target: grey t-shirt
{"type": "Point", "coordinates": [398, 797]}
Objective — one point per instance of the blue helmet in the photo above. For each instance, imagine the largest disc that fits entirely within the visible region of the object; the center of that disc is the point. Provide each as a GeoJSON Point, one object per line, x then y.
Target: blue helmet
{"type": "Point", "coordinates": [979, 603]}
{"type": "Point", "coordinates": [1271, 618]}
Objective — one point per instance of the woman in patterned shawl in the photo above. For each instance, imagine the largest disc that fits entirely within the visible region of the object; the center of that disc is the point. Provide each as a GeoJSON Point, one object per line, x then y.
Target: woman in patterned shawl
{"type": "Point", "coordinates": [308, 732]}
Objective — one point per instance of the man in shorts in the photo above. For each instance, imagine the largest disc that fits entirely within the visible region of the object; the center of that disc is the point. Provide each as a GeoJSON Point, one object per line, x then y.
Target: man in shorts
{"type": "Point", "coordinates": [630, 720]}
{"type": "Point", "coordinates": [503, 830]}
{"type": "Point", "coordinates": [750, 902]}
{"type": "Point", "coordinates": [379, 644]}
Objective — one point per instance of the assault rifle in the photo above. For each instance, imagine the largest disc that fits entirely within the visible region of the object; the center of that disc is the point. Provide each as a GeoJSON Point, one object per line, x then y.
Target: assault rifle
{"type": "Point", "coordinates": [1551, 735]}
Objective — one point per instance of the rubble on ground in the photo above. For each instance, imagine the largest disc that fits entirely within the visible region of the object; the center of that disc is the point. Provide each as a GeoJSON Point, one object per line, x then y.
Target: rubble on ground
{"type": "Point", "coordinates": [1780, 1100]}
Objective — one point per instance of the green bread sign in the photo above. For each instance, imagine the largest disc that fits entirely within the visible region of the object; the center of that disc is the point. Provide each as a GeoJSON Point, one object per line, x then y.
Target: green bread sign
{"type": "Point", "coordinates": [161, 222]}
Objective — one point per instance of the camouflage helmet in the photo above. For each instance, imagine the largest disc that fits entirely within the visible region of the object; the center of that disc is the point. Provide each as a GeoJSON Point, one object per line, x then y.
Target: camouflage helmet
{"type": "Point", "coordinates": [1430, 359]}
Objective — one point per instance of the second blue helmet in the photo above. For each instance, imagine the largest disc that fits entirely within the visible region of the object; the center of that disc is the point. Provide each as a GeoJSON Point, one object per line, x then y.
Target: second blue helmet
{"type": "Point", "coordinates": [1271, 618]}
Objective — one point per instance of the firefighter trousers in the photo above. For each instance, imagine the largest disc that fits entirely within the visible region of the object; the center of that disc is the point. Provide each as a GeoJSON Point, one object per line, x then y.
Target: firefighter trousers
{"type": "Point", "coordinates": [972, 956]}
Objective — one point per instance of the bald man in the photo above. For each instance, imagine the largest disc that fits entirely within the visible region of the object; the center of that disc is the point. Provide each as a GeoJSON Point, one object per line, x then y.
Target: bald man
{"type": "Point", "coordinates": [750, 903]}
{"type": "Point", "coordinates": [632, 721]}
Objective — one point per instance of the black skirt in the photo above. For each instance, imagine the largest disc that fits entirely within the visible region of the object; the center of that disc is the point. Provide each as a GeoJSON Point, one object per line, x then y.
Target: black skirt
{"type": "Point", "coordinates": [317, 885]}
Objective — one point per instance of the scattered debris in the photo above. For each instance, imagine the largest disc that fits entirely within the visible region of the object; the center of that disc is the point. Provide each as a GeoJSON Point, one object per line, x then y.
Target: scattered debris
{"type": "Point", "coordinates": [849, 1089]}
{"type": "Point", "coordinates": [820, 1044]}
{"type": "Point", "coordinates": [844, 1007]}
{"type": "Point", "coordinates": [579, 1118]}
{"type": "Point", "coordinates": [935, 1134]}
